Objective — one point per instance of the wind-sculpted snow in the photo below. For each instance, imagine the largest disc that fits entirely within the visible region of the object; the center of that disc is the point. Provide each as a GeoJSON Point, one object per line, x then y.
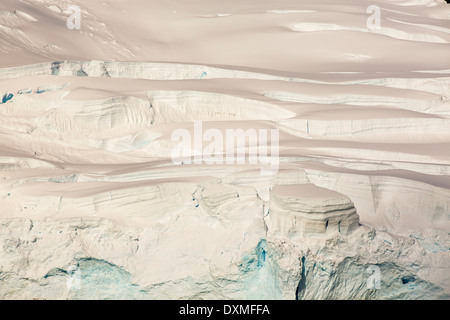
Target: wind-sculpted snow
{"type": "Point", "coordinates": [431, 104]}
{"type": "Point", "coordinates": [395, 204]}
{"type": "Point", "coordinates": [173, 106]}
{"type": "Point", "coordinates": [399, 130]}
{"type": "Point", "coordinates": [352, 117]}
{"type": "Point", "coordinates": [173, 71]}
{"type": "Point", "coordinates": [388, 31]}
{"type": "Point", "coordinates": [297, 211]}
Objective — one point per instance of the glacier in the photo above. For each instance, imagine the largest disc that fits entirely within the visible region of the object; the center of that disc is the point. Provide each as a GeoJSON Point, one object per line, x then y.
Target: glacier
{"type": "Point", "coordinates": [92, 206]}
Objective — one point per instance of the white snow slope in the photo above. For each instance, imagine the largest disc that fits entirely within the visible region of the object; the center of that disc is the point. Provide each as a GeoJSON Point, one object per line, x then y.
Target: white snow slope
{"type": "Point", "coordinates": [93, 207]}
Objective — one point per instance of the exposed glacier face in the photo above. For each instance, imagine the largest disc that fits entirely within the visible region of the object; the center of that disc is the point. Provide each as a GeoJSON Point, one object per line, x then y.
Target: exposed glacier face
{"type": "Point", "coordinates": [298, 211]}
{"type": "Point", "coordinates": [93, 207]}
{"type": "Point", "coordinates": [130, 245]}
{"type": "Point", "coordinates": [324, 275]}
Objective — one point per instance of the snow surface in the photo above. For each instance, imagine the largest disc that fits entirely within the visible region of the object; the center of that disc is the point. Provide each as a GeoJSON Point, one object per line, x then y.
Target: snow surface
{"type": "Point", "coordinates": [87, 182]}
